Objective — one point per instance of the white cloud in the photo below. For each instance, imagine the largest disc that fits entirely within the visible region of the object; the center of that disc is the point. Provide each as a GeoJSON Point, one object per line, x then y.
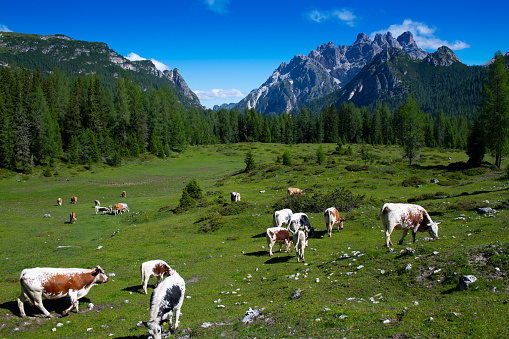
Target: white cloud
{"type": "Point", "coordinates": [4, 28]}
{"type": "Point", "coordinates": [343, 15]}
{"type": "Point", "coordinates": [159, 65]}
{"type": "Point", "coordinates": [218, 6]}
{"type": "Point", "coordinates": [424, 35]}
{"type": "Point", "coordinates": [219, 93]}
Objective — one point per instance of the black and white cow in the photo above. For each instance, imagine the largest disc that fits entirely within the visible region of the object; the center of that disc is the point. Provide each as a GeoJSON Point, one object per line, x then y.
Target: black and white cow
{"type": "Point", "coordinates": [166, 300]}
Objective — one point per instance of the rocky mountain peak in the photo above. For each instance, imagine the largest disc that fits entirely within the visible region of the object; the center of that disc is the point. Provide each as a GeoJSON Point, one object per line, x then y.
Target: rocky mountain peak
{"type": "Point", "coordinates": [362, 38]}
{"type": "Point", "coordinates": [406, 39]}
{"type": "Point", "coordinates": [444, 56]}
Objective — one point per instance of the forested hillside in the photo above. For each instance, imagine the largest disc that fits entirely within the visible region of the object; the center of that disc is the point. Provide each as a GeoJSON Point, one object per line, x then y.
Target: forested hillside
{"type": "Point", "coordinates": [78, 120]}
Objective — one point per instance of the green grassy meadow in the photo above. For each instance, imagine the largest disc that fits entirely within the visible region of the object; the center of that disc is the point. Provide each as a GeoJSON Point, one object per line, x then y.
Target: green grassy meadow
{"type": "Point", "coordinates": [350, 285]}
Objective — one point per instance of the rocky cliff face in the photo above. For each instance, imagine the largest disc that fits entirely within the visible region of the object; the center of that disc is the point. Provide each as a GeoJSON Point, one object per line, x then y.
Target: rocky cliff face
{"type": "Point", "coordinates": [323, 71]}
{"type": "Point", "coordinates": [444, 56]}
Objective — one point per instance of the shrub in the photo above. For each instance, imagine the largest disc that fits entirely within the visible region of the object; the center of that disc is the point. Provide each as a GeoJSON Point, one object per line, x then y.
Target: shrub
{"type": "Point", "coordinates": [413, 180]}
{"type": "Point", "coordinates": [47, 172]}
{"type": "Point", "coordinates": [320, 155]}
{"type": "Point", "coordinates": [356, 168]}
{"type": "Point", "coordinates": [341, 198]}
{"type": "Point", "coordinates": [194, 189]}
{"type": "Point", "coordinates": [287, 158]}
{"type": "Point", "coordinates": [249, 161]}
{"type": "Point", "coordinates": [233, 209]}
{"type": "Point", "coordinates": [186, 201]}
{"type": "Point", "coordinates": [211, 222]}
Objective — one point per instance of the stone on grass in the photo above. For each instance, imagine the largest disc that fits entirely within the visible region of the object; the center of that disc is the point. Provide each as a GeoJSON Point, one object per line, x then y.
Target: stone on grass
{"type": "Point", "coordinates": [251, 315]}
{"type": "Point", "coordinates": [295, 294]}
{"type": "Point", "coordinates": [465, 281]}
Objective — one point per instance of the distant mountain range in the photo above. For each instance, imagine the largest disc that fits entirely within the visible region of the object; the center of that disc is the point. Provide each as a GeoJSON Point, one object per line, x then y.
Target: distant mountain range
{"type": "Point", "coordinates": [79, 58]}
{"type": "Point", "coordinates": [368, 72]}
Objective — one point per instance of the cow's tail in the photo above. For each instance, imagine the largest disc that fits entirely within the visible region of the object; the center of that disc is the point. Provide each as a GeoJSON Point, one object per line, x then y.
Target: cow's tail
{"type": "Point", "coordinates": [274, 219]}
{"type": "Point", "coordinates": [384, 208]}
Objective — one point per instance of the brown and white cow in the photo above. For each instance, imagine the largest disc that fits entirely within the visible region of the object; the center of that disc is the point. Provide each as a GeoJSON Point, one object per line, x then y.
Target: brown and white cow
{"type": "Point", "coordinates": [74, 200]}
{"type": "Point", "coordinates": [154, 268]}
{"type": "Point", "coordinates": [124, 194]}
{"type": "Point", "coordinates": [282, 217]}
{"type": "Point", "coordinates": [234, 196]}
{"type": "Point", "coordinates": [278, 235]}
{"type": "Point", "coordinates": [406, 217]}
{"type": "Point", "coordinates": [293, 190]}
{"type": "Point", "coordinates": [59, 201]}
{"type": "Point", "coordinates": [72, 218]}
{"type": "Point", "coordinates": [55, 283]}
{"type": "Point", "coordinates": [331, 216]}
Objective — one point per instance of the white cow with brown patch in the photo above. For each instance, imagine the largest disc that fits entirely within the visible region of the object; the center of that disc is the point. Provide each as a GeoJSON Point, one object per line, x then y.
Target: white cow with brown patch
{"type": "Point", "coordinates": [154, 268]}
{"type": "Point", "coordinates": [331, 216]}
{"type": "Point", "coordinates": [55, 283]}
{"type": "Point", "coordinates": [278, 235]}
{"type": "Point", "coordinates": [406, 217]}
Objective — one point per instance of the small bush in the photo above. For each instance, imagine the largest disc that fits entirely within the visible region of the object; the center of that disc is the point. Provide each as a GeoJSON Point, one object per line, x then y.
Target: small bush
{"type": "Point", "coordinates": [287, 158]}
{"type": "Point", "coordinates": [356, 168]}
{"type": "Point", "coordinates": [474, 171]}
{"type": "Point", "coordinates": [413, 180]}
{"type": "Point", "coordinates": [211, 222]}
{"type": "Point", "coordinates": [194, 189]}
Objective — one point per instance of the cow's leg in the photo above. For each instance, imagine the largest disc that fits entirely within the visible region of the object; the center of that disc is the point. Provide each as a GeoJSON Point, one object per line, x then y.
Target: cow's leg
{"type": "Point", "coordinates": [403, 237]}
{"type": "Point", "coordinates": [21, 301]}
{"type": "Point", "coordinates": [37, 299]}
{"type": "Point", "coordinates": [73, 295]}
{"type": "Point", "coordinates": [329, 230]}
{"type": "Point", "coordinates": [388, 241]}
{"type": "Point", "coordinates": [270, 249]}
{"type": "Point", "coordinates": [413, 236]}
{"type": "Point", "coordinates": [145, 283]}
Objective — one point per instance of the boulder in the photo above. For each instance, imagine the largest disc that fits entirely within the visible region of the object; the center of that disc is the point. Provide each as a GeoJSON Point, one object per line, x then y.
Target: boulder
{"type": "Point", "coordinates": [465, 281]}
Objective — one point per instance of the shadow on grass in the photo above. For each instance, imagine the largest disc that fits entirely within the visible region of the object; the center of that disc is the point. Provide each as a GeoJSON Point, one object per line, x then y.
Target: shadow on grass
{"type": "Point", "coordinates": [261, 235]}
{"type": "Point", "coordinates": [137, 288]}
{"type": "Point", "coordinates": [277, 260]}
{"type": "Point", "coordinates": [52, 306]}
{"type": "Point", "coordinates": [257, 253]}
{"type": "Point", "coordinates": [320, 234]}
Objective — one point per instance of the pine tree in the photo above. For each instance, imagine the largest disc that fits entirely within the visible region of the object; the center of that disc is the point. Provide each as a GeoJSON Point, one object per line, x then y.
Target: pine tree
{"type": "Point", "coordinates": [249, 160]}
{"type": "Point", "coordinates": [409, 128]}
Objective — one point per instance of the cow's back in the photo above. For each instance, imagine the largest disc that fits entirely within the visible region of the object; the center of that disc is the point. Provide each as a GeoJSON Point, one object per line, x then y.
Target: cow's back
{"type": "Point", "coordinates": [167, 295]}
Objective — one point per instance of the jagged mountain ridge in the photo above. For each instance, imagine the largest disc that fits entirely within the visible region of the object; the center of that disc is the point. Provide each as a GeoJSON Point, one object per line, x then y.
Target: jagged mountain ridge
{"type": "Point", "coordinates": [323, 71]}
{"type": "Point", "coordinates": [393, 74]}
{"type": "Point", "coordinates": [78, 58]}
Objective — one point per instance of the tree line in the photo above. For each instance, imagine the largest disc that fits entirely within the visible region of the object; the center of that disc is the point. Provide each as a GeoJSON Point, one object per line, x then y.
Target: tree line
{"type": "Point", "coordinates": [78, 120]}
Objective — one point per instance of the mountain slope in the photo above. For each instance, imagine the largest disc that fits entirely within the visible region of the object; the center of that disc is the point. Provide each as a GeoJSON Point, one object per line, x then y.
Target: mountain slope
{"type": "Point", "coordinates": [323, 71]}
{"type": "Point", "coordinates": [439, 81]}
{"type": "Point", "coordinates": [81, 58]}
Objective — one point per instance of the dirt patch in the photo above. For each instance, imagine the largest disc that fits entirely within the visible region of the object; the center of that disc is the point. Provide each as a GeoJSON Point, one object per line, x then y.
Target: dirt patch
{"type": "Point", "coordinates": [192, 280]}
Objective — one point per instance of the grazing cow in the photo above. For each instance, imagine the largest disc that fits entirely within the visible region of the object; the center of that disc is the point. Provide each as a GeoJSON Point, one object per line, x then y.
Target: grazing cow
{"type": "Point", "coordinates": [59, 201]}
{"type": "Point", "coordinates": [125, 207]}
{"type": "Point", "coordinates": [292, 190]}
{"type": "Point", "coordinates": [101, 209]}
{"type": "Point", "coordinates": [72, 217]}
{"type": "Point", "coordinates": [406, 217]}
{"type": "Point", "coordinates": [154, 268]}
{"type": "Point", "coordinates": [97, 202]}
{"type": "Point", "coordinates": [117, 209]}
{"type": "Point", "coordinates": [235, 196]}
{"type": "Point", "coordinates": [282, 217]}
{"type": "Point", "coordinates": [331, 216]}
{"type": "Point", "coordinates": [299, 221]}
{"type": "Point", "coordinates": [165, 301]}
{"type": "Point", "coordinates": [123, 194]}
{"type": "Point", "coordinates": [278, 235]}
{"type": "Point", "coordinates": [300, 240]}
{"type": "Point", "coordinates": [56, 283]}
{"type": "Point", "coordinates": [74, 200]}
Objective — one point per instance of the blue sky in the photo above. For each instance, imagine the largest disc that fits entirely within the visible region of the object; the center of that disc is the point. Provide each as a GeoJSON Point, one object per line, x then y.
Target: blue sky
{"type": "Point", "coordinates": [226, 48]}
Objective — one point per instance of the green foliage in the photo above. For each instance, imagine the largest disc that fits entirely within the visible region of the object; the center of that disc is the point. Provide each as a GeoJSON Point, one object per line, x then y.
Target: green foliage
{"type": "Point", "coordinates": [186, 200]}
{"type": "Point", "coordinates": [413, 180]}
{"type": "Point", "coordinates": [234, 209]}
{"type": "Point", "coordinates": [249, 161]}
{"type": "Point", "coordinates": [287, 158]}
{"type": "Point", "coordinates": [356, 167]}
{"type": "Point", "coordinates": [320, 155]}
{"type": "Point", "coordinates": [194, 190]}
{"type": "Point", "coordinates": [341, 198]}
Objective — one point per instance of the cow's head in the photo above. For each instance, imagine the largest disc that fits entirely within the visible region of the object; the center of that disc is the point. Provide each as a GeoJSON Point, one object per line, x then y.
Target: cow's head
{"type": "Point", "coordinates": [340, 224]}
{"type": "Point", "coordinates": [310, 232]}
{"type": "Point", "coordinates": [433, 229]}
{"type": "Point", "coordinates": [168, 271]}
{"type": "Point", "coordinates": [155, 329]}
{"type": "Point", "coordinates": [100, 275]}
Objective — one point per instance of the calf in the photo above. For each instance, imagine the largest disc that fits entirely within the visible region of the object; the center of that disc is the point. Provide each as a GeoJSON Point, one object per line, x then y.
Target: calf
{"type": "Point", "coordinates": [300, 240]}
{"type": "Point", "coordinates": [123, 194]}
{"type": "Point", "coordinates": [331, 216]}
{"type": "Point", "coordinates": [235, 196]}
{"type": "Point", "coordinates": [97, 203]}
{"type": "Point", "coordinates": [406, 217]}
{"type": "Point", "coordinates": [59, 201]}
{"type": "Point", "coordinates": [293, 190]}
{"type": "Point", "coordinates": [55, 283]}
{"type": "Point", "coordinates": [281, 217]}
{"type": "Point", "coordinates": [72, 218]}
{"type": "Point", "coordinates": [165, 301]}
{"type": "Point", "coordinates": [101, 209]}
{"type": "Point", "coordinates": [74, 200]}
{"type": "Point", "coordinates": [154, 268]}
{"type": "Point", "coordinates": [278, 235]}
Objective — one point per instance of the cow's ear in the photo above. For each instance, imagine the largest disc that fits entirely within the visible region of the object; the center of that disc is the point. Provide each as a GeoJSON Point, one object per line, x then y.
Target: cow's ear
{"type": "Point", "coordinates": [89, 268]}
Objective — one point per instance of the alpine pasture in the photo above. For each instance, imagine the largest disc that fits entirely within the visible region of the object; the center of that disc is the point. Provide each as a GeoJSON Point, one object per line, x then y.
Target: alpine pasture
{"type": "Point", "coordinates": [350, 285]}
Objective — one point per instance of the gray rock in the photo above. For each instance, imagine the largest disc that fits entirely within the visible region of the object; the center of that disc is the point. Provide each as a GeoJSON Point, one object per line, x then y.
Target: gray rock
{"type": "Point", "coordinates": [296, 294]}
{"type": "Point", "coordinates": [434, 181]}
{"type": "Point", "coordinates": [465, 281]}
{"type": "Point", "coordinates": [484, 210]}
{"type": "Point", "coordinates": [251, 315]}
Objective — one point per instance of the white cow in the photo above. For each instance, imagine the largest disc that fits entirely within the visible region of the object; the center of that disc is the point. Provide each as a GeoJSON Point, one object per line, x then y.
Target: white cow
{"type": "Point", "coordinates": [165, 301]}
{"type": "Point", "coordinates": [281, 218]}
{"type": "Point", "coordinates": [154, 268]}
{"type": "Point", "coordinates": [406, 217]}
{"type": "Point", "coordinates": [55, 283]}
{"type": "Point", "coordinates": [300, 240]}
